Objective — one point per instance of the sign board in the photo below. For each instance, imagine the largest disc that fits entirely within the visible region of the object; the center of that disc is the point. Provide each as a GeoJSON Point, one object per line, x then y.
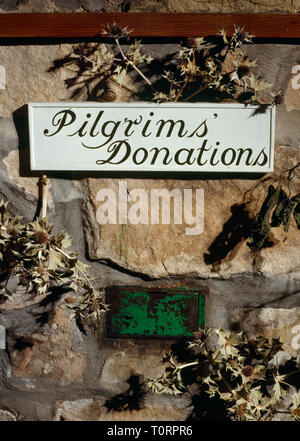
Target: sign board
{"type": "Point", "coordinates": [169, 137]}
{"type": "Point", "coordinates": [144, 312]}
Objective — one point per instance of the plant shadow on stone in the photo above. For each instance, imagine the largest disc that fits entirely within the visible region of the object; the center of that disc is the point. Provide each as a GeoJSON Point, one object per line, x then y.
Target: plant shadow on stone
{"type": "Point", "coordinates": [276, 210]}
{"type": "Point", "coordinates": [230, 376]}
{"type": "Point", "coordinates": [130, 400]}
{"type": "Point", "coordinates": [216, 69]}
{"type": "Point", "coordinates": [85, 77]}
{"type": "Point", "coordinates": [235, 230]}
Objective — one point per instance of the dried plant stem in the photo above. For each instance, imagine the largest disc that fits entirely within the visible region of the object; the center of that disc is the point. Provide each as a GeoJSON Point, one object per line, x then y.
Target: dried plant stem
{"type": "Point", "coordinates": [180, 91]}
{"type": "Point", "coordinates": [132, 64]}
{"type": "Point", "coordinates": [44, 194]}
{"type": "Point", "coordinates": [291, 173]}
{"type": "Point", "coordinates": [194, 363]}
{"type": "Point", "coordinates": [283, 377]}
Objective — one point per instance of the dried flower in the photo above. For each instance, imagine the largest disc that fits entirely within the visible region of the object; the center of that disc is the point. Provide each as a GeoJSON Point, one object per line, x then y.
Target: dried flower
{"type": "Point", "coordinates": [116, 31]}
{"type": "Point", "coordinates": [248, 371]}
{"type": "Point", "coordinates": [200, 66]}
{"type": "Point", "coordinates": [236, 372]}
{"type": "Point", "coordinates": [38, 258]}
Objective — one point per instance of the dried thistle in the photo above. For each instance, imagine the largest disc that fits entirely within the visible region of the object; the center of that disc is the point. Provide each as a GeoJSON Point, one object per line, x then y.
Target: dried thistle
{"type": "Point", "coordinates": [116, 31]}
{"type": "Point", "coordinates": [41, 260]}
{"type": "Point", "coordinates": [223, 68]}
{"type": "Point", "coordinates": [241, 372]}
{"type": "Point", "coordinates": [200, 66]}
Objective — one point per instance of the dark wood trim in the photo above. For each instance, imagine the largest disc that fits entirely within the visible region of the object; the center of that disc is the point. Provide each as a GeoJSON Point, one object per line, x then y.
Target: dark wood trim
{"type": "Point", "coordinates": [89, 25]}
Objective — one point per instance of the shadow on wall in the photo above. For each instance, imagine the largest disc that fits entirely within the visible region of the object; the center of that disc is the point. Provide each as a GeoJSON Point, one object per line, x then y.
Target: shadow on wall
{"type": "Point", "coordinates": [21, 122]}
{"type": "Point", "coordinates": [132, 399]}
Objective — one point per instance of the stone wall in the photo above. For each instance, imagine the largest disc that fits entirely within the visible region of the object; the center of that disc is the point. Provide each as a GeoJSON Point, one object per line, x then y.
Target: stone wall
{"type": "Point", "coordinates": [51, 369]}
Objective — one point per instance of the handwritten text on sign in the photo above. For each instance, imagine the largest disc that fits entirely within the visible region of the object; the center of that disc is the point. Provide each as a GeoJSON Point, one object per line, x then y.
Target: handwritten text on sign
{"type": "Point", "coordinates": [151, 137]}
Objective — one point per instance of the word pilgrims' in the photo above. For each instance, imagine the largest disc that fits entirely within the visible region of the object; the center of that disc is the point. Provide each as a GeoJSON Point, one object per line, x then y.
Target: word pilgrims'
{"type": "Point", "coordinates": [126, 140]}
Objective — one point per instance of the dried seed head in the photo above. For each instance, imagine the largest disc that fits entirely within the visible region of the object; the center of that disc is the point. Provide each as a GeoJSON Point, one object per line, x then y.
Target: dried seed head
{"type": "Point", "coordinates": [109, 95]}
{"type": "Point", "coordinates": [40, 237]}
{"type": "Point", "coordinates": [240, 409]}
{"type": "Point", "coordinates": [242, 71]}
{"type": "Point", "coordinates": [199, 335]}
{"type": "Point", "coordinates": [117, 31]}
{"type": "Point", "coordinates": [191, 42]}
{"type": "Point", "coordinates": [248, 371]}
{"type": "Point", "coordinates": [241, 35]}
{"type": "Point", "coordinates": [41, 270]}
{"type": "Point", "coordinates": [278, 99]}
{"type": "Point", "coordinates": [23, 279]}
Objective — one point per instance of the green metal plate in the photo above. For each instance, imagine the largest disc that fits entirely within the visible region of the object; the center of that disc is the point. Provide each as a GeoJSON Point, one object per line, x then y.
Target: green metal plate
{"type": "Point", "coordinates": [140, 312]}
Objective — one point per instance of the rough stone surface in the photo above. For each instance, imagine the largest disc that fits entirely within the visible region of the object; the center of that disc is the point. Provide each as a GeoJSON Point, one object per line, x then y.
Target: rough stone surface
{"type": "Point", "coordinates": [273, 323]}
{"type": "Point", "coordinates": [30, 81]}
{"type": "Point", "coordinates": [150, 6]}
{"type": "Point", "coordinates": [213, 6]}
{"type": "Point", "coordinates": [160, 409]}
{"type": "Point", "coordinates": [275, 65]}
{"type": "Point", "coordinates": [47, 356]}
{"type": "Point", "coordinates": [26, 184]}
{"type": "Point", "coordinates": [121, 365]}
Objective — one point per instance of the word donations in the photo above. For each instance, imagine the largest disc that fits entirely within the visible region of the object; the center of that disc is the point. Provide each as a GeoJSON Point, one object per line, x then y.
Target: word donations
{"type": "Point", "coordinates": [151, 137]}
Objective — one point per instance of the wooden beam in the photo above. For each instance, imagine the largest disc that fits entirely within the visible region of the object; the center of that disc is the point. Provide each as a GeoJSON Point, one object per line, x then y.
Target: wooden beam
{"type": "Point", "coordinates": [88, 24]}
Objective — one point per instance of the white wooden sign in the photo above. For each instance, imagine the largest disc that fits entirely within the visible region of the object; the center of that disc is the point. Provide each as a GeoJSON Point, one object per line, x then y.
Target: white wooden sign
{"type": "Point", "coordinates": [151, 137]}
